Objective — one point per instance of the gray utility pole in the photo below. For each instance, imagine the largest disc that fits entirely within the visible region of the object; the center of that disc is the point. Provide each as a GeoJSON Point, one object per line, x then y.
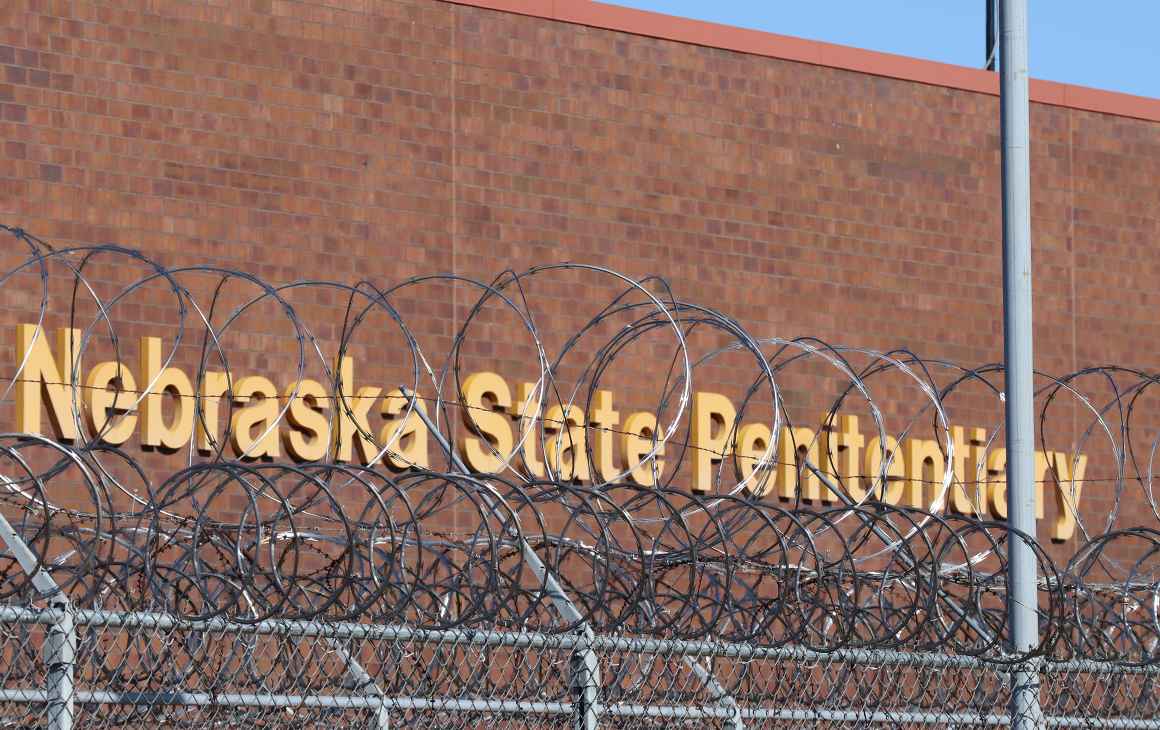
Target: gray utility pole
{"type": "Point", "coordinates": [1022, 593]}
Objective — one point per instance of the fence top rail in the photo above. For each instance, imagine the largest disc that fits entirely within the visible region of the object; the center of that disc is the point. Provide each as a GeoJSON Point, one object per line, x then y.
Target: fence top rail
{"type": "Point", "coordinates": [539, 640]}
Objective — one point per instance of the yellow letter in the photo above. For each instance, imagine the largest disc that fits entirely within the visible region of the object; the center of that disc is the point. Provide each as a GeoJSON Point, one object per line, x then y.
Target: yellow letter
{"type": "Point", "coordinates": [407, 437]}
{"type": "Point", "coordinates": [924, 463]}
{"type": "Point", "coordinates": [604, 420]}
{"type": "Point", "coordinates": [796, 445]}
{"type": "Point", "coordinates": [884, 487]}
{"type": "Point", "coordinates": [523, 408]}
{"type": "Point", "coordinates": [213, 386]}
{"type": "Point", "coordinates": [154, 430]}
{"type": "Point", "coordinates": [353, 427]}
{"type": "Point", "coordinates": [968, 450]}
{"type": "Point", "coordinates": [480, 418]}
{"type": "Point", "coordinates": [111, 393]}
{"type": "Point", "coordinates": [636, 442]}
{"type": "Point", "coordinates": [755, 443]}
{"type": "Point", "coordinates": [309, 434]}
{"type": "Point", "coordinates": [260, 397]}
{"type": "Point", "coordinates": [711, 412]}
{"type": "Point", "coordinates": [40, 367]}
{"type": "Point", "coordinates": [566, 452]}
{"type": "Point", "coordinates": [841, 451]}
{"type": "Point", "coordinates": [1069, 487]}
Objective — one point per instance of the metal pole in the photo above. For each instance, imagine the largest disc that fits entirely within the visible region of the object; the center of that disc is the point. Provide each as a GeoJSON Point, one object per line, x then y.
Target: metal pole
{"type": "Point", "coordinates": [584, 668]}
{"type": "Point", "coordinates": [60, 639]}
{"type": "Point", "coordinates": [989, 50]}
{"type": "Point", "coordinates": [29, 562]}
{"type": "Point", "coordinates": [1022, 594]}
{"type": "Point", "coordinates": [60, 645]}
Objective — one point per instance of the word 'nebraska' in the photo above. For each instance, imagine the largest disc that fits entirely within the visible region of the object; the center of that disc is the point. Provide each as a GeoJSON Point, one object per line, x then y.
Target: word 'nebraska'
{"type": "Point", "coordinates": [299, 419]}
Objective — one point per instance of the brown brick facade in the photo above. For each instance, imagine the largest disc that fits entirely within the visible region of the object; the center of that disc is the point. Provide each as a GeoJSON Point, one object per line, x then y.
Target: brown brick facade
{"type": "Point", "coordinates": [381, 139]}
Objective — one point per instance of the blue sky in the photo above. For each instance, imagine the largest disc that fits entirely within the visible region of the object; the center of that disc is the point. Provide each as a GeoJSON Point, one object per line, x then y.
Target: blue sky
{"type": "Point", "coordinates": [1114, 44]}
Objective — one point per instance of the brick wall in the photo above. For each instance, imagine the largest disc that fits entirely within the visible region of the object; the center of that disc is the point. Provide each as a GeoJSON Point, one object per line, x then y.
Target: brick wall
{"type": "Point", "coordinates": [380, 139]}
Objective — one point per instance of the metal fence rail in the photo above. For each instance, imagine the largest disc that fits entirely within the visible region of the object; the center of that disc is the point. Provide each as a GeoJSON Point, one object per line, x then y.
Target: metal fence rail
{"type": "Point", "coordinates": [125, 669]}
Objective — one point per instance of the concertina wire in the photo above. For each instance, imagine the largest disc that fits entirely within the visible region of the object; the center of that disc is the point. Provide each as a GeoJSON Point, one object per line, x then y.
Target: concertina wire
{"type": "Point", "coordinates": [439, 547]}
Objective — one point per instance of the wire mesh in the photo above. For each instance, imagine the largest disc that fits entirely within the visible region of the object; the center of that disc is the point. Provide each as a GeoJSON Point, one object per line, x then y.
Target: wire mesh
{"type": "Point", "coordinates": [147, 670]}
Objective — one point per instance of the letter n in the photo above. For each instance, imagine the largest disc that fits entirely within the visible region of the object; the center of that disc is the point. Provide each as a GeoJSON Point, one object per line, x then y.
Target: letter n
{"type": "Point", "coordinates": [43, 375]}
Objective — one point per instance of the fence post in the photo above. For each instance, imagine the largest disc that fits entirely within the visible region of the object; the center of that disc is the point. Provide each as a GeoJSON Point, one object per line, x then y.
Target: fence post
{"type": "Point", "coordinates": [60, 645]}
{"type": "Point", "coordinates": [60, 641]}
{"type": "Point", "coordinates": [585, 682]}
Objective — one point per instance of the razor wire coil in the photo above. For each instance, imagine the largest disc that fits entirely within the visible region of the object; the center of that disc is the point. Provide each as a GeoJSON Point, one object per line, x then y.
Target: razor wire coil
{"type": "Point", "coordinates": [435, 547]}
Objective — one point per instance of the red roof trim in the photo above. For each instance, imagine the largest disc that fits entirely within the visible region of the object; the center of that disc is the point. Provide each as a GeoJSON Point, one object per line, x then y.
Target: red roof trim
{"type": "Point", "coordinates": [685, 30]}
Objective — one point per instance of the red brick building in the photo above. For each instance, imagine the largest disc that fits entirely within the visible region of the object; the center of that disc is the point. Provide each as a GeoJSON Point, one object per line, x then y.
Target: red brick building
{"type": "Point", "coordinates": [800, 187]}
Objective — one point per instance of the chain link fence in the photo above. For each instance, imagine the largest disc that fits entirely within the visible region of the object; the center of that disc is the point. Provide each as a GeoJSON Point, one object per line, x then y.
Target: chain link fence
{"type": "Point", "coordinates": [94, 669]}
